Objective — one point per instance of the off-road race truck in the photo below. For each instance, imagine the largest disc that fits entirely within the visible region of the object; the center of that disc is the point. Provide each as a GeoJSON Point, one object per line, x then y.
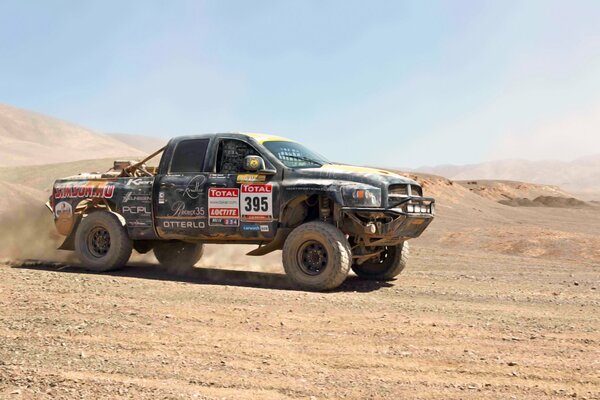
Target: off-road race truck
{"type": "Point", "coordinates": [245, 189]}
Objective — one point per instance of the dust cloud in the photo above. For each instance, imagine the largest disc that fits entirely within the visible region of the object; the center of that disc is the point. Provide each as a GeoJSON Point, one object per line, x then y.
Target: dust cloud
{"type": "Point", "coordinates": [27, 232]}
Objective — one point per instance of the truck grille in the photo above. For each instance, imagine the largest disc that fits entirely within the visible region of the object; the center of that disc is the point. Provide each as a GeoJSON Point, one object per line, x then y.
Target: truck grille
{"type": "Point", "coordinates": [398, 190]}
{"type": "Point", "coordinates": [416, 190]}
{"type": "Point", "coordinates": [398, 193]}
{"type": "Point", "coordinates": [402, 190]}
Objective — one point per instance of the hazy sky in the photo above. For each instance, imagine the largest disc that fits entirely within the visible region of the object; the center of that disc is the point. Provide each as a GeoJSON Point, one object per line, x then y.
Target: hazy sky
{"type": "Point", "coordinates": [391, 83]}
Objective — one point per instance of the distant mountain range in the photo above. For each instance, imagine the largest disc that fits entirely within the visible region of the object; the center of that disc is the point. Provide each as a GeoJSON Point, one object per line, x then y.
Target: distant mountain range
{"type": "Point", "coordinates": [29, 138]}
{"type": "Point", "coordinates": [581, 176]}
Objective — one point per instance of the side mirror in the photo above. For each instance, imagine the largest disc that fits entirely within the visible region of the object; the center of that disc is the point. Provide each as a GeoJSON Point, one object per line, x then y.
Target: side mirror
{"type": "Point", "coordinates": [257, 164]}
{"type": "Point", "coordinates": [254, 163]}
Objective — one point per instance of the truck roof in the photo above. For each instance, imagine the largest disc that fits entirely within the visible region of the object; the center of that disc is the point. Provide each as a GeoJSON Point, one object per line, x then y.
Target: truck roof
{"type": "Point", "coordinates": [259, 137]}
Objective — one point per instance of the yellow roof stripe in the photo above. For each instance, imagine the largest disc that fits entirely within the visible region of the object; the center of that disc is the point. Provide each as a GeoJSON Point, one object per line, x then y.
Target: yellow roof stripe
{"type": "Point", "coordinates": [264, 137]}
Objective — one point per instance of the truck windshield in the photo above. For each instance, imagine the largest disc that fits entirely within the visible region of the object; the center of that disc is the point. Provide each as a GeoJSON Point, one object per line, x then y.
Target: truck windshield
{"type": "Point", "coordinates": [294, 155]}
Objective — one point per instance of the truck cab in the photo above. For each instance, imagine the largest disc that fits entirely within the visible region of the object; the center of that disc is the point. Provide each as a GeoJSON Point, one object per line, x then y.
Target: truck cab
{"type": "Point", "coordinates": [244, 188]}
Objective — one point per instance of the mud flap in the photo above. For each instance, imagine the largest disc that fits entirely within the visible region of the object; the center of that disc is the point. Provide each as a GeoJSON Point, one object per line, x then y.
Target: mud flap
{"type": "Point", "coordinates": [69, 242]}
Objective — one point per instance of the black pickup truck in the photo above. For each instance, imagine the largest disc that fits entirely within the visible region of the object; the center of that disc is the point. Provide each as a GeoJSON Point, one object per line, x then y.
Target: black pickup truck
{"type": "Point", "coordinates": [239, 188]}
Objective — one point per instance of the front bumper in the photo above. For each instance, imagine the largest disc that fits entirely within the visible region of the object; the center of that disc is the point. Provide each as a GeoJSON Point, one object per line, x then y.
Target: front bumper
{"type": "Point", "coordinates": [387, 224]}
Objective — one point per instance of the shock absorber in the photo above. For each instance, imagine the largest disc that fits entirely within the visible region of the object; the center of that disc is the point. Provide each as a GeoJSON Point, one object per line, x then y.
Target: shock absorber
{"type": "Point", "coordinates": [325, 208]}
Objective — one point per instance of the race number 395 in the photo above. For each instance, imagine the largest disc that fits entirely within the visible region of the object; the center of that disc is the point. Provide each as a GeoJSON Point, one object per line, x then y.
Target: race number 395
{"type": "Point", "coordinates": [257, 202]}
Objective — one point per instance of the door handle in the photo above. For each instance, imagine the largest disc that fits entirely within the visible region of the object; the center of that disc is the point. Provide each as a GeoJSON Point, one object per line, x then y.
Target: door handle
{"type": "Point", "coordinates": [221, 185]}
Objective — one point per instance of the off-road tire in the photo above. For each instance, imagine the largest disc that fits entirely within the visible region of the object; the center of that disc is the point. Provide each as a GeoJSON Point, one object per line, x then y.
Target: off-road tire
{"type": "Point", "coordinates": [387, 269]}
{"type": "Point", "coordinates": [338, 256]}
{"type": "Point", "coordinates": [118, 250]}
{"type": "Point", "coordinates": [178, 256]}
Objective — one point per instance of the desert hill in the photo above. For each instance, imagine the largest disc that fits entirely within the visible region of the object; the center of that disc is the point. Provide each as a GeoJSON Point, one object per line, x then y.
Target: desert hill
{"type": "Point", "coordinates": [475, 220]}
{"type": "Point", "coordinates": [29, 138]}
{"type": "Point", "coordinates": [581, 176]}
{"type": "Point", "coordinates": [147, 144]}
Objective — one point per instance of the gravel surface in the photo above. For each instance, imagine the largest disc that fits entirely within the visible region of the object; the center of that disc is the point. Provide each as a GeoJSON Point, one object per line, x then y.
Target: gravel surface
{"type": "Point", "coordinates": [464, 325]}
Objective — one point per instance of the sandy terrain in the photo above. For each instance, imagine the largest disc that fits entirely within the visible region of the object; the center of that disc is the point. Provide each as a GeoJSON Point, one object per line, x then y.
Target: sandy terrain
{"type": "Point", "coordinates": [497, 302]}
{"type": "Point", "coordinates": [456, 325]}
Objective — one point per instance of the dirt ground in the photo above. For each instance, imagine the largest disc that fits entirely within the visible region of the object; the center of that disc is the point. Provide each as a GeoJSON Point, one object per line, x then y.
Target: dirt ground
{"type": "Point", "coordinates": [464, 325]}
{"type": "Point", "coordinates": [497, 302]}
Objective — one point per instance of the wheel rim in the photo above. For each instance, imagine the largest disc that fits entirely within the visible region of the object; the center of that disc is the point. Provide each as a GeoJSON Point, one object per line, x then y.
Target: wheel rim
{"type": "Point", "coordinates": [98, 241]}
{"type": "Point", "coordinates": [312, 257]}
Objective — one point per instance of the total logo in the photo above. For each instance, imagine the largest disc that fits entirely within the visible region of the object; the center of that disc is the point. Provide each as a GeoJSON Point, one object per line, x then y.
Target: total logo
{"type": "Point", "coordinates": [257, 188]}
{"type": "Point", "coordinates": [217, 192]}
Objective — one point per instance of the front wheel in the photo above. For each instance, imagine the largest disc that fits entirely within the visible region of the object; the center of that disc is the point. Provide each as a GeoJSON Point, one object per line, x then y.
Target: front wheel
{"type": "Point", "coordinates": [101, 242]}
{"type": "Point", "coordinates": [178, 256]}
{"type": "Point", "coordinates": [387, 265]}
{"type": "Point", "coordinates": [317, 256]}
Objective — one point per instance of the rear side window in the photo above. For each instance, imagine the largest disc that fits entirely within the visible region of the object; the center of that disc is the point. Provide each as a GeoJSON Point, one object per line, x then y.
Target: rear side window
{"type": "Point", "coordinates": [189, 156]}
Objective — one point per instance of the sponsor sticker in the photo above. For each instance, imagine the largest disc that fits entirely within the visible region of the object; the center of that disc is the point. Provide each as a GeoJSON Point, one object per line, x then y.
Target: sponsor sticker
{"type": "Point", "coordinates": [63, 209]}
{"type": "Point", "coordinates": [195, 188]}
{"type": "Point", "coordinates": [256, 202]}
{"type": "Point", "coordinates": [132, 196]}
{"type": "Point", "coordinates": [183, 224]}
{"type": "Point", "coordinates": [223, 206]}
{"type": "Point", "coordinates": [102, 190]}
{"type": "Point", "coordinates": [217, 176]}
{"type": "Point", "coordinates": [161, 197]}
{"type": "Point", "coordinates": [179, 210]}
{"type": "Point", "coordinates": [139, 224]}
{"type": "Point", "coordinates": [143, 211]}
{"type": "Point", "coordinates": [250, 178]}
{"type": "Point", "coordinates": [251, 228]}
{"type": "Point", "coordinates": [139, 181]}
{"type": "Point", "coordinates": [264, 228]}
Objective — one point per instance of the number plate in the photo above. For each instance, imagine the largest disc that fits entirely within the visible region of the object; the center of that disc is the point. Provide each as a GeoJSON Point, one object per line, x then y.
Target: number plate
{"type": "Point", "coordinates": [256, 202]}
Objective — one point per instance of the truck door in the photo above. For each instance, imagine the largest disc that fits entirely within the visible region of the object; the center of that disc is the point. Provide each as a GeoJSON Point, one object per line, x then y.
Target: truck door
{"type": "Point", "coordinates": [180, 193]}
{"type": "Point", "coordinates": [240, 203]}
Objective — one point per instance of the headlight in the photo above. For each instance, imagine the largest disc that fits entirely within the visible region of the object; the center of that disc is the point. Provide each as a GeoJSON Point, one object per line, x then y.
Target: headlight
{"type": "Point", "coordinates": [361, 196]}
{"type": "Point", "coordinates": [420, 208]}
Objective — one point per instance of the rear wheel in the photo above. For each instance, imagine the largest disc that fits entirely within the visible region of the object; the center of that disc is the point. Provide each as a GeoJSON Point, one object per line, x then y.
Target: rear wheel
{"type": "Point", "coordinates": [386, 266]}
{"type": "Point", "coordinates": [101, 242]}
{"type": "Point", "coordinates": [316, 256]}
{"type": "Point", "coordinates": [178, 256]}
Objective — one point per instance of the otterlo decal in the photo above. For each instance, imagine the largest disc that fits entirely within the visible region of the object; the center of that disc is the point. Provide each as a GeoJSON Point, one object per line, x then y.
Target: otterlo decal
{"type": "Point", "coordinates": [103, 190]}
{"type": "Point", "coordinates": [257, 202]}
{"type": "Point", "coordinates": [223, 207]}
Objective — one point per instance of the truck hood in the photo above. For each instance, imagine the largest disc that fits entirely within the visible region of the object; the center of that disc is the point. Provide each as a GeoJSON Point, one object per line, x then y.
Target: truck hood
{"type": "Point", "coordinates": [351, 173]}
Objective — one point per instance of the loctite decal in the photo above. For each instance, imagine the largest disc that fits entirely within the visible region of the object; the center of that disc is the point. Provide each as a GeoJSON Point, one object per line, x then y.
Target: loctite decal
{"type": "Point", "coordinates": [223, 207]}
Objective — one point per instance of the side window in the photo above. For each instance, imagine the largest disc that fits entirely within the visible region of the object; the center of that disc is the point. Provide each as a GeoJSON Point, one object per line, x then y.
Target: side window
{"type": "Point", "coordinates": [231, 154]}
{"type": "Point", "coordinates": [189, 156]}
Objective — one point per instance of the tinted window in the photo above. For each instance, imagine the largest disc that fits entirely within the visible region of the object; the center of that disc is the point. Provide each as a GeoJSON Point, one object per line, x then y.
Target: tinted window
{"type": "Point", "coordinates": [189, 156]}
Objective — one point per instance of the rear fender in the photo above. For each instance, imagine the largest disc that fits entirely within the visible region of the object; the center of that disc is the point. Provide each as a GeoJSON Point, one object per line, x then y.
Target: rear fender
{"type": "Point", "coordinates": [69, 242]}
